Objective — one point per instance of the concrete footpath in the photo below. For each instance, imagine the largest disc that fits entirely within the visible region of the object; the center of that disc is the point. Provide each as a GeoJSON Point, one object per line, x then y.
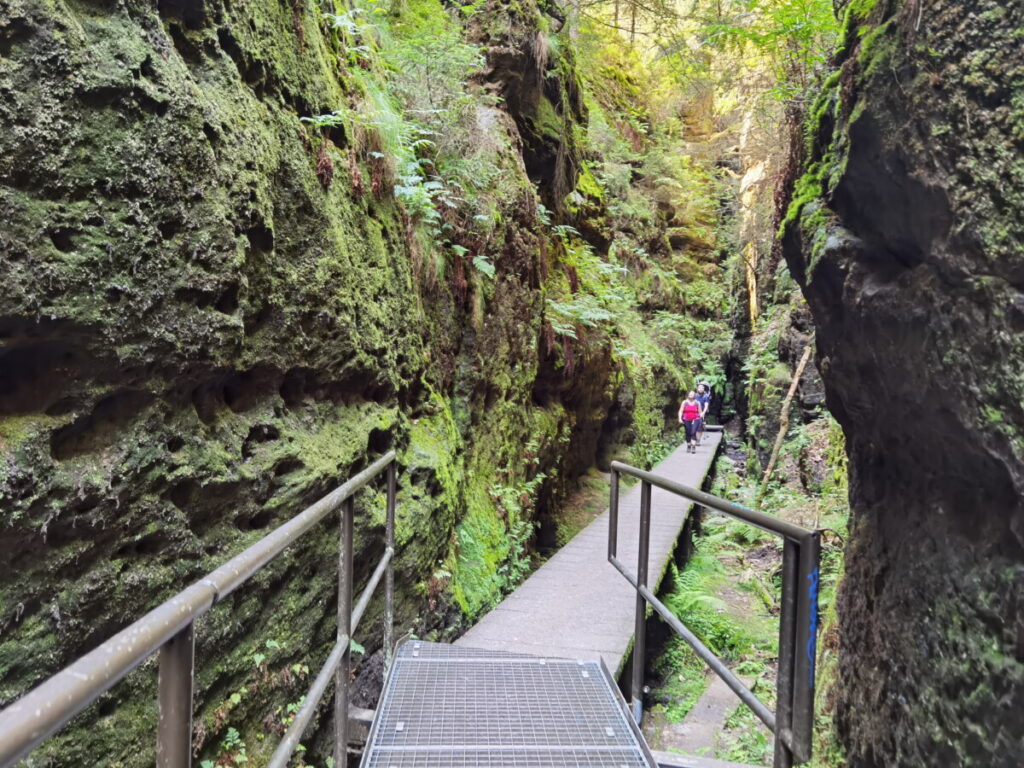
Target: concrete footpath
{"type": "Point", "coordinates": [577, 605]}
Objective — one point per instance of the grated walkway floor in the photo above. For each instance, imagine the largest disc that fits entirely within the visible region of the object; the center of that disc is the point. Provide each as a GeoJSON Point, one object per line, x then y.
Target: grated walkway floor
{"type": "Point", "coordinates": [576, 605]}
{"type": "Point", "coordinates": [456, 707]}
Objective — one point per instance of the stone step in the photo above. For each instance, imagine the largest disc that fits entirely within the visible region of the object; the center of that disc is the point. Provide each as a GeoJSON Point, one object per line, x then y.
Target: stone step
{"type": "Point", "coordinates": [675, 760]}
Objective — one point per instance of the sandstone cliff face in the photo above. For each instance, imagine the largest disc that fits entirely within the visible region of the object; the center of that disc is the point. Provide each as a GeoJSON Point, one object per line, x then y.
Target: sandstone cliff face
{"type": "Point", "coordinates": [905, 234]}
{"type": "Point", "coordinates": [206, 323]}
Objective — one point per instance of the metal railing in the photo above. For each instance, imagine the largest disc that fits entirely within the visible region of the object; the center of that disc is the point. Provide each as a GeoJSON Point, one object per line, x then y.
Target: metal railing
{"type": "Point", "coordinates": [792, 722]}
{"type": "Point", "coordinates": [169, 629]}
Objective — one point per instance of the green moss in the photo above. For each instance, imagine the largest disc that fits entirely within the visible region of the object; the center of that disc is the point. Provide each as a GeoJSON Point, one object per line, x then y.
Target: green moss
{"type": "Point", "coordinates": [807, 210]}
{"type": "Point", "coordinates": [993, 415]}
{"type": "Point", "coordinates": [853, 25]}
{"type": "Point", "coordinates": [282, 321]}
{"type": "Point", "coordinates": [811, 185]}
{"type": "Point", "coordinates": [548, 122]}
{"type": "Point", "coordinates": [587, 185]}
{"type": "Point", "coordinates": [428, 511]}
{"type": "Point", "coordinates": [861, 9]}
{"type": "Point", "coordinates": [876, 49]}
{"type": "Point", "coordinates": [807, 189]}
{"type": "Point", "coordinates": [422, 15]}
{"type": "Point", "coordinates": [336, 441]}
{"type": "Point", "coordinates": [482, 546]}
{"type": "Point", "coordinates": [779, 376]}
{"type": "Point", "coordinates": [15, 430]}
{"type": "Point", "coordinates": [485, 562]}
{"type": "Point", "coordinates": [210, 265]}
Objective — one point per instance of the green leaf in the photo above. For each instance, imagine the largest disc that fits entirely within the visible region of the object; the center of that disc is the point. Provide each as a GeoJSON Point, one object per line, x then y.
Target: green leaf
{"type": "Point", "coordinates": [480, 262]}
{"type": "Point", "coordinates": [355, 647]}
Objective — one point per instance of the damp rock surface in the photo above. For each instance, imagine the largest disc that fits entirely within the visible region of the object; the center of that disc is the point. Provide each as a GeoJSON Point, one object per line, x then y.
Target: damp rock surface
{"type": "Point", "coordinates": [904, 233]}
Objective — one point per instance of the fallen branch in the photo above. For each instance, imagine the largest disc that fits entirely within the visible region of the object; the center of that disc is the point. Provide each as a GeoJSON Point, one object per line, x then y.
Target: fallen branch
{"type": "Point", "coordinates": [784, 421]}
{"type": "Point", "coordinates": [762, 591]}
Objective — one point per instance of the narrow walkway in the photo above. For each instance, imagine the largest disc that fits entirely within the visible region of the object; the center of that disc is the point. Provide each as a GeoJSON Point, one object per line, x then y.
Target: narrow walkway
{"type": "Point", "coordinates": [445, 707]}
{"type": "Point", "coordinates": [577, 605]}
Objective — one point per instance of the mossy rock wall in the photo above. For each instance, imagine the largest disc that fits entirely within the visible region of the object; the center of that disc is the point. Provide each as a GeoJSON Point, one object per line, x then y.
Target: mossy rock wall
{"type": "Point", "coordinates": [202, 330]}
{"type": "Point", "coordinates": [905, 235]}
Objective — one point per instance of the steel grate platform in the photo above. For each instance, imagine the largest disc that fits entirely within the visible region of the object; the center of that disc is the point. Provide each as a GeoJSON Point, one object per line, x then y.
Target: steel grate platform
{"type": "Point", "coordinates": [447, 706]}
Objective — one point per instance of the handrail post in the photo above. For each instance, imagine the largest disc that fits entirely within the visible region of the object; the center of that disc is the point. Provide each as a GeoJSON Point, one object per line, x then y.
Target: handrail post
{"type": "Point", "coordinates": [613, 516]}
{"type": "Point", "coordinates": [793, 721]}
{"type": "Point", "coordinates": [640, 634]}
{"type": "Point", "coordinates": [389, 576]}
{"type": "Point", "coordinates": [783, 757]}
{"type": "Point", "coordinates": [805, 650]}
{"type": "Point", "coordinates": [168, 629]}
{"type": "Point", "coordinates": [174, 725]}
{"type": "Point", "coordinates": [344, 631]}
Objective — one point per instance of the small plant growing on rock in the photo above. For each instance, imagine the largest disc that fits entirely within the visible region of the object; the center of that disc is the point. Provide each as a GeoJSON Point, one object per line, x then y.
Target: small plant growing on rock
{"type": "Point", "coordinates": [232, 751]}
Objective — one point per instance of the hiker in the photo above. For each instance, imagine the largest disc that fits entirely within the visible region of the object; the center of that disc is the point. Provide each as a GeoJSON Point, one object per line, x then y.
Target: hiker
{"type": "Point", "coordinates": [689, 415]}
{"type": "Point", "coordinates": [704, 399]}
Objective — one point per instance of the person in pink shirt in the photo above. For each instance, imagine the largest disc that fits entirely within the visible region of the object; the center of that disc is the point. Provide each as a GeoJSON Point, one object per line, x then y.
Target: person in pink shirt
{"type": "Point", "coordinates": [689, 417]}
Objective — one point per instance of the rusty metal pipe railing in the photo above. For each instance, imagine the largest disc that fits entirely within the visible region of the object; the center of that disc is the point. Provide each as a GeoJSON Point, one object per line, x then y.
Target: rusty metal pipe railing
{"type": "Point", "coordinates": [290, 741]}
{"type": "Point", "coordinates": [745, 694]}
{"type": "Point", "coordinates": [389, 576]}
{"type": "Point", "coordinates": [175, 681]}
{"type": "Point", "coordinates": [343, 669]}
{"type": "Point", "coordinates": [793, 720]}
{"type": "Point", "coordinates": [760, 520]}
{"type": "Point", "coordinates": [169, 628]}
{"type": "Point", "coordinates": [302, 718]}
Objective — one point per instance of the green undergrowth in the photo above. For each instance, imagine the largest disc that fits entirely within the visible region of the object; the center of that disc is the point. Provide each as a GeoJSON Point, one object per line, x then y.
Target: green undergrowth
{"type": "Point", "coordinates": [744, 639]}
{"type": "Point", "coordinates": [624, 279]}
{"type": "Point", "coordinates": [370, 243]}
{"type": "Point", "coordinates": [823, 506]}
{"type": "Point", "coordinates": [728, 595]}
{"type": "Point", "coordinates": [415, 116]}
{"type": "Point", "coordinates": [745, 739]}
{"type": "Point", "coordinates": [684, 680]}
{"type": "Point", "coordinates": [493, 549]}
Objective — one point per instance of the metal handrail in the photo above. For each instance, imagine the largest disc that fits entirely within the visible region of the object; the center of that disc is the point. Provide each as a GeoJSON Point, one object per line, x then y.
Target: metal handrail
{"type": "Point", "coordinates": [169, 628]}
{"type": "Point", "coordinates": [793, 720]}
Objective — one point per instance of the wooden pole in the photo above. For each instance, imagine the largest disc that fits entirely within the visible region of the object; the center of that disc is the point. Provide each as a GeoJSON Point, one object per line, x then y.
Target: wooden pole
{"type": "Point", "coordinates": [784, 420]}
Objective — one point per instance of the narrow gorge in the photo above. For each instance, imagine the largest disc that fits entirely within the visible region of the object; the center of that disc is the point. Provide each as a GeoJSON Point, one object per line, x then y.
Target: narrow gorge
{"type": "Point", "coordinates": [249, 246]}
